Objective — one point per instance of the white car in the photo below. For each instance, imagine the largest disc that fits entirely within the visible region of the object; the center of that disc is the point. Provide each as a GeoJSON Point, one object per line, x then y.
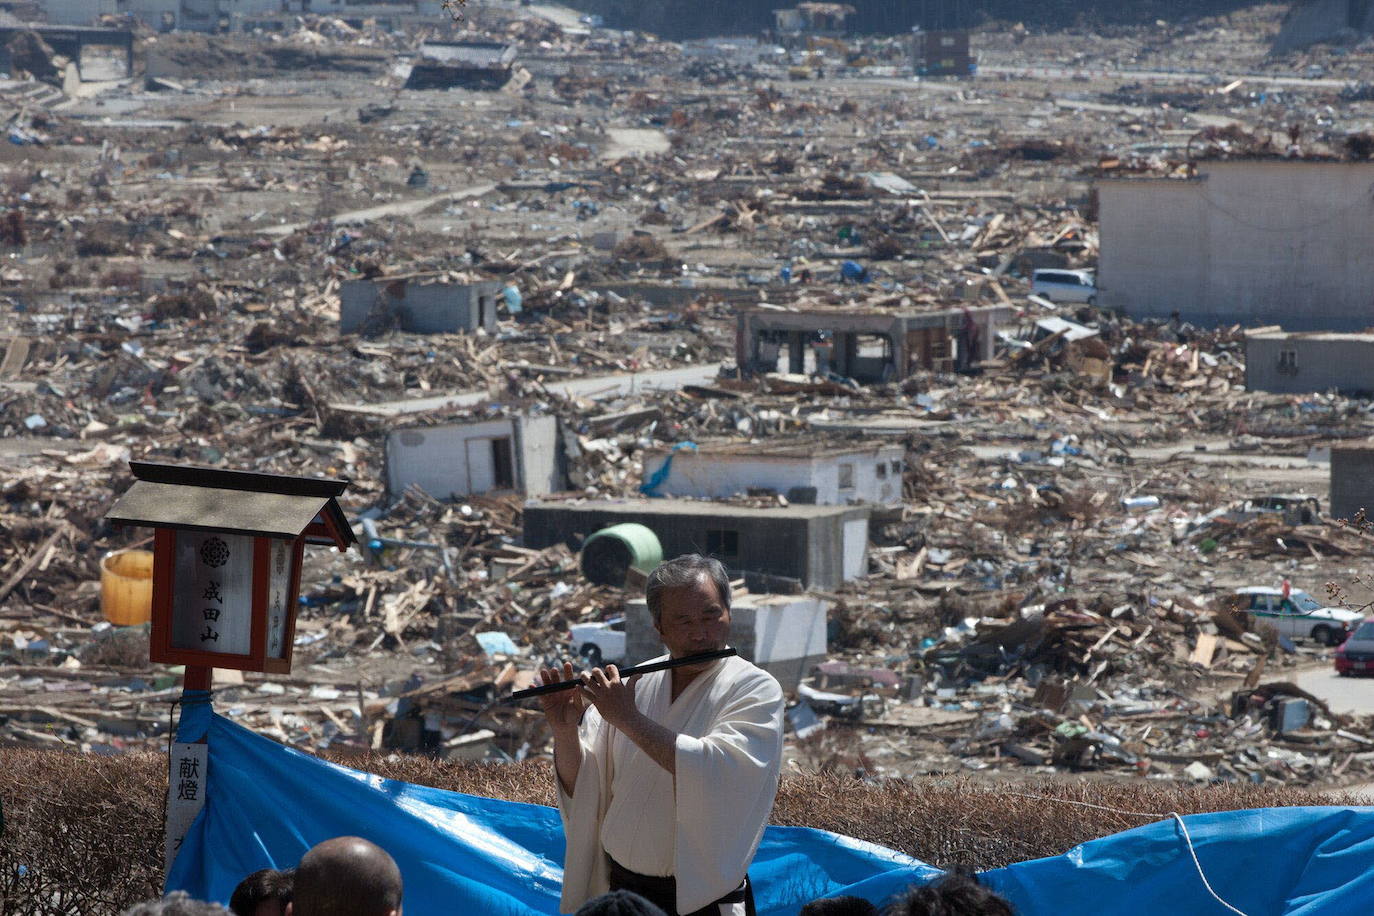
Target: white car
{"type": "Point", "coordinates": [1065, 285]}
{"type": "Point", "coordinates": [599, 643]}
{"type": "Point", "coordinates": [1299, 616]}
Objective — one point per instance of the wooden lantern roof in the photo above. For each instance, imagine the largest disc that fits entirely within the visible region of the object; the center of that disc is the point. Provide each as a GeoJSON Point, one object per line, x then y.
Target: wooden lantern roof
{"type": "Point", "coordinates": [245, 502]}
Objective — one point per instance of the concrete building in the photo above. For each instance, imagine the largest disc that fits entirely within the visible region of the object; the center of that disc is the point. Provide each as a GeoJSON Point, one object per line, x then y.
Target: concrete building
{"type": "Point", "coordinates": [78, 12]}
{"type": "Point", "coordinates": [1246, 241]}
{"type": "Point", "coordinates": [816, 546]}
{"type": "Point", "coordinates": [1352, 479]}
{"type": "Point", "coordinates": [221, 15]}
{"type": "Point", "coordinates": [941, 53]}
{"type": "Point", "coordinates": [98, 53]}
{"type": "Point", "coordinates": [420, 303]}
{"type": "Point", "coordinates": [867, 345]}
{"type": "Point", "coordinates": [1295, 363]}
{"type": "Point", "coordinates": [449, 460]}
{"type": "Point", "coordinates": [1308, 22]}
{"type": "Point", "coordinates": [805, 471]}
{"type": "Point", "coordinates": [782, 634]}
{"type": "Point", "coordinates": [462, 64]}
{"type": "Point", "coordinates": [826, 19]}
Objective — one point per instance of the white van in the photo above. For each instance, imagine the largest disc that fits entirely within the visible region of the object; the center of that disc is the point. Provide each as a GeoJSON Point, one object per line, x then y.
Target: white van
{"type": "Point", "coordinates": [1065, 285]}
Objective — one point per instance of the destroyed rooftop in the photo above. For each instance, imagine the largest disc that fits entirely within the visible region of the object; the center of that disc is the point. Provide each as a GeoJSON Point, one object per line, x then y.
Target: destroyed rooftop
{"type": "Point", "coordinates": [909, 305]}
{"type": "Point", "coordinates": [1354, 336]}
{"type": "Point", "coordinates": [775, 447]}
{"type": "Point", "coordinates": [696, 508]}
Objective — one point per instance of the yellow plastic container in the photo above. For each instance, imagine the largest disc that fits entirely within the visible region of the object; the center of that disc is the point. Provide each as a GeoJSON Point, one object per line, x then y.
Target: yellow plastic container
{"type": "Point", "coordinates": [126, 587]}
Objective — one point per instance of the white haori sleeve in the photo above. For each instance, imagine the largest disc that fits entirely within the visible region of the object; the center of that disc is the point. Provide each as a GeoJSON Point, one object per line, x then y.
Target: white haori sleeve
{"type": "Point", "coordinates": [729, 750]}
{"type": "Point", "coordinates": [727, 763]}
{"type": "Point", "coordinates": [585, 874]}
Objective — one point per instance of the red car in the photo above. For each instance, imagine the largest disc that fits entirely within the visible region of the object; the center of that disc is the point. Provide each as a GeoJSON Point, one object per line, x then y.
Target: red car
{"type": "Point", "coordinates": [1356, 654]}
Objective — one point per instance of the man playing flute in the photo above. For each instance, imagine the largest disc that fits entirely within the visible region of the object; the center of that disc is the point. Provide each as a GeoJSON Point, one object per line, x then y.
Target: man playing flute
{"type": "Point", "coordinates": [666, 780]}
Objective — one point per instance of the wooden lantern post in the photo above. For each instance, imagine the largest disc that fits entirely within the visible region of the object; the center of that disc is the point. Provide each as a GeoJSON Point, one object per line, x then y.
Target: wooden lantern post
{"type": "Point", "coordinates": [227, 552]}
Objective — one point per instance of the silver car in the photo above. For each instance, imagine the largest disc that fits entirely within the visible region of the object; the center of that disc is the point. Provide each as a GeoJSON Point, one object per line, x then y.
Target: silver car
{"type": "Point", "coordinates": [1299, 616]}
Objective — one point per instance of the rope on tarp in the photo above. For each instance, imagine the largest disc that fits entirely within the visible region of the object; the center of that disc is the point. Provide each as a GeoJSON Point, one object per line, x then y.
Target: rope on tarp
{"type": "Point", "coordinates": [1187, 837]}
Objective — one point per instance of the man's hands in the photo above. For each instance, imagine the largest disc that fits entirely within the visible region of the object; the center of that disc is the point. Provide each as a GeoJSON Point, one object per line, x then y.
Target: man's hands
{"type": "Point", "coordinates": [563, 709]}
{"type": "Point", "coordinates": [612, 697]}
{"type": "Point", "coordinates": [615, 700]}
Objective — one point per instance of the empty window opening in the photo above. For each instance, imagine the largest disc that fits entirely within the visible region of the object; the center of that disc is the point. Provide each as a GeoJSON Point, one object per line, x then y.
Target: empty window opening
{"type": "Point", "coordinates": [846, 476]}
{"type": "Point", "coordinates": [502, 464]}
{"type": "Point", "coordinates": [722, 543]}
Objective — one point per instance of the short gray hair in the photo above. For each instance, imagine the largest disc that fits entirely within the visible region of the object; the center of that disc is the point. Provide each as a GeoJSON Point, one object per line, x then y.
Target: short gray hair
{"type": "Point", "coordinates": [177, 903]}
{"type": "Point", "coordinates": [683, 572]}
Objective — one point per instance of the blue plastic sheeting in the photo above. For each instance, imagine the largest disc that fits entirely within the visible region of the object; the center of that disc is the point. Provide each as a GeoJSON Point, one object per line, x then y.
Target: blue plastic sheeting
{"type": "Point", "coordinates": [1269, 861]}
{"type": "Point", "coordinates": [650, 486]}
{"type": "Point", "coordinates": [267, 804]}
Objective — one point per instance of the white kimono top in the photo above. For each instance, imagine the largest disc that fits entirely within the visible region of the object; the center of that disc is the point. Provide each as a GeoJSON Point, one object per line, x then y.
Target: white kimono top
{"type": "Point", "coordinates": [704, 829]}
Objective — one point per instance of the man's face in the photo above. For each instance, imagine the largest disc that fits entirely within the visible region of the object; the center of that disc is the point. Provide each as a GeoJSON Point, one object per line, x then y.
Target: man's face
{"type": "Point", "coordinates": [693, 619]}
{"type": "Point", "coordinates": [270, 908]}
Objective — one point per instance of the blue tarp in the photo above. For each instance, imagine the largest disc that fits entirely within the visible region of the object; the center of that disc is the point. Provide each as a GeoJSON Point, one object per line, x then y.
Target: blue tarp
{"type": "Point", "coordinates": [267, 804]}
{"type": "Point", "coordinates": [650, 486]}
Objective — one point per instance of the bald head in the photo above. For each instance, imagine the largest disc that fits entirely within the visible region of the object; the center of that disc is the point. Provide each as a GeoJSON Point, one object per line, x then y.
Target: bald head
{"type": "Point", "coordinates": [347, 876]}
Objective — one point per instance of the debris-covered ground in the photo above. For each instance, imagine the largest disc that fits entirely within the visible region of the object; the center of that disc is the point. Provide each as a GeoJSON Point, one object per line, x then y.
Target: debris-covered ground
{"type": "Point", "coordinates": [1052, 592]}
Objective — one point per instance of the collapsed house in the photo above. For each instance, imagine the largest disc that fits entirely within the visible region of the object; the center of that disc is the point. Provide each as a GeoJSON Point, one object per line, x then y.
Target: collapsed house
{"type": "Point", "coordinates": [45, 52]}
{"type": "Point", "coordinates": [941, 53]}
{"type": "Point", "coordinates": [419, 303]}
{"type": "Point", "coordinates": [802, 471]}
{"type": "Point", "coordinates": [825, 19]}
{"type": "Point", "coordinates": [869, 345]}
{"type": "Point", "coordinates": [1299, 363]}
{"type": "Point", "coordinates": [777, 548]}
{"type": "Point", "coordinates": [463, 65]}
{"type": "Point", "coordinates": [782, 634]}
{"type": "Point", "coordinates": [518, 453]}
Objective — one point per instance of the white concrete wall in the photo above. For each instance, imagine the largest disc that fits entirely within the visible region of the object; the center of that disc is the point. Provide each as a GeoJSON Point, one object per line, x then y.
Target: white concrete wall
{"type": "Point", "coordinates": [855, 548]}
{"type": "Point", "coordinates": [1250, 242]}
{"type": "Point", "coordinates": [708, 475]}
{"type": "Point", "coordinates": [868, 486]}
{"type": "Point", "coordinates": [784, 627]}
{"type": "Point", "coordinates": [764, 628]}
{"type": "Point", "coordinates": [77, 12]}
{"type": "Point", "coordinates": [436, 457]}
{"type": "Point", "coordinates": [539, 455]}
{"type": "Point", "coordinates": [1323, 363]}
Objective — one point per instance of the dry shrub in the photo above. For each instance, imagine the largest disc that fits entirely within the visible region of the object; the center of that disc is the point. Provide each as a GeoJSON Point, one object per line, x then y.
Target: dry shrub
{"type": "Point", "coordinates": [949, 821]}
{"type": "Point", "coordinates": [83, 833]}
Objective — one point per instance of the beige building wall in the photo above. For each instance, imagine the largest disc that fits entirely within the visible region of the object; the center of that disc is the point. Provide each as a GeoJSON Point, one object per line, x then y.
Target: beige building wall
{"type": "Point", "coordinates": [1251, 242]}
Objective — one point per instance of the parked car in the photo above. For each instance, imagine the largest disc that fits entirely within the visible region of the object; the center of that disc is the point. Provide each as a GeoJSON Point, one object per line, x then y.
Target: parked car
{"type": "Point", "coordinates": [1299, 616]}
{"type": "Point", "coordinates": [599, 643]}
{"type": "Point", "coordinates": [1065, 285]}
{"type": "Point", "coordinates": [1356, 654]}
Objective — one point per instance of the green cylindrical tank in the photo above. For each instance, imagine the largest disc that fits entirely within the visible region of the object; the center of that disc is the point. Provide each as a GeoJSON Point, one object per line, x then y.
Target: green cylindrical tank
{"type": "Point", "coordinates": [610, 554]}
